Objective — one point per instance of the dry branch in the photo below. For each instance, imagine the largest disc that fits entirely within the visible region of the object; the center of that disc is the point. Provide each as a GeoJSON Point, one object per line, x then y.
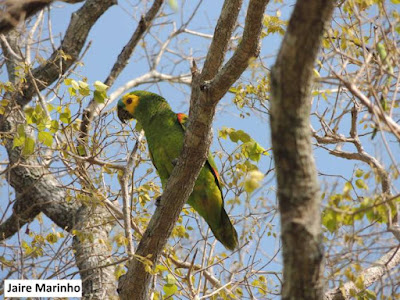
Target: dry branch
{"type": "Point", "coordinates": [122, 60]}
{"type": "Point", "coordinates": [370, 275]}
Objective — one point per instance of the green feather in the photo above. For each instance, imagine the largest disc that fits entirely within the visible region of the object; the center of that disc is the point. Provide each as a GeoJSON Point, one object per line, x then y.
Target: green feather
{"type": "Point", "coordinates": [164, 132]}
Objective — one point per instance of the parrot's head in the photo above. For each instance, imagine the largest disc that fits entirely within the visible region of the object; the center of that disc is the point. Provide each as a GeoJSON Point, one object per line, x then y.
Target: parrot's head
{"type": "Point", "coordinates": [138, 105]}
{"type": "Point", "coordinates": [127, 106]}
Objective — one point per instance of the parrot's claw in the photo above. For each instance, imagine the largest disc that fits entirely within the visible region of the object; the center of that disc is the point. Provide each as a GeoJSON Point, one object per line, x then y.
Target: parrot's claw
{"type": "Point", "coordinates": [174, 161]}
{"type": "Point", "coordinates": [158, 201]}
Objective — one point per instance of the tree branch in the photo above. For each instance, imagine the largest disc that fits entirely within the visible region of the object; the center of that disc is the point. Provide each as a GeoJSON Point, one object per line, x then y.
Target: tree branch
{"type": "Point", "coordinates": [222, 35]}
{"type": "Point", "coordinates": [132, 160]}
{"type": "Point", "coordinates": [248, 48]}
{"type": "Point", "coordinates": [135, 284]}
{"type": "Point", "coordinates": [16, 11]}
{"type": "Point", "coordinates": [91, 251]}
{"type": "Point", "coordinates": [370, 275]}
{"type": "Point", "coordinates": [122, 60]}
{"type": "Point", "coordinates": [298, 188]}
{"type": "Point", "coordinates": [372, 108]}
{"type": "Point", "coordinates": [74, 40]}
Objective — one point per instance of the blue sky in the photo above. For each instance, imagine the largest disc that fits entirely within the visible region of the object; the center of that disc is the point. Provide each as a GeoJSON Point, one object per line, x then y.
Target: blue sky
{"type": "Point", "coordinates": [114, 29]}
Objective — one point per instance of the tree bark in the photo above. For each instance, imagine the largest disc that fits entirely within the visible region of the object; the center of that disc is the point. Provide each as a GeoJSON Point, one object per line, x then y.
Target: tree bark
{"type": "Point", "coordinates": [298, 189]}
{"type": "Point", "coordinates": [37, 190]}
{"type": "Point", "coordinates": [93, 251]}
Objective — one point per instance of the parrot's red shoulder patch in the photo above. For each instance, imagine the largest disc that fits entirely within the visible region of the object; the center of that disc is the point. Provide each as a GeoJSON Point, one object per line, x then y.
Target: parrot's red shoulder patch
{"type": "Point", "coordinates": [216, 174]}
{"type": "Point", "coordinates": [181, 117]}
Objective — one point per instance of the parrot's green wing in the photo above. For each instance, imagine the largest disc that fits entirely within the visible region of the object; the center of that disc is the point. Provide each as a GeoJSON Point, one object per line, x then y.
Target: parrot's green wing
{"type": "Point", "coordinates": [210, 163]}
{"type": "Point", "coordinates": [208, 200]}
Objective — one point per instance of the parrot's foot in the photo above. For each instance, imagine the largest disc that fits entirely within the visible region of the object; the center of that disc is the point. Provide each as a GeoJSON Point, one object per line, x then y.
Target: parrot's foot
{"type": "Point", "coordinates": [158, 201]}
{"type": "Point", "coordinates": [174, 161]}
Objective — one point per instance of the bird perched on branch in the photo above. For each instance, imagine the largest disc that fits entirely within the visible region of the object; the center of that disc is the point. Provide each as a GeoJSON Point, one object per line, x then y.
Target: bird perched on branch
{"type": "Point", "coordinates": [164, 131]}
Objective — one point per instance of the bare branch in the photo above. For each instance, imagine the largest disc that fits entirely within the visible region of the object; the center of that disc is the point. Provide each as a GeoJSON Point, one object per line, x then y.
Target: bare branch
{"type": "Point", "coordinates": [125, 193]}
{"type": "Point", "coordinates": [72, 44]}
{"type": "Point", "coordinates": [122, 60]}
{"type": "Point", "coordinates": [373, 108]}
{"type": "Point", "coordinates": [369, 275]}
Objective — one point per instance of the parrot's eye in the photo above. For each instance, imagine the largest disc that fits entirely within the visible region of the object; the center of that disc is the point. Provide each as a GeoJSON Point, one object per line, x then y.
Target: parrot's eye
{"type": "Point", "coordinates": [129, 101]}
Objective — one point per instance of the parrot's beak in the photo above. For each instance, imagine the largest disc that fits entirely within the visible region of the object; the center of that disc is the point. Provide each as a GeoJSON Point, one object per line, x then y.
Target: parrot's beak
{"type": "Point", "coordinates": [123, 115]}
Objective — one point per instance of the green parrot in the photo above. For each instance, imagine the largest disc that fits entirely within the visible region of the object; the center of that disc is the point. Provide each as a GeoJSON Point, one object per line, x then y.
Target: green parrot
{"type": "Point", "coordinates": [164, 131]}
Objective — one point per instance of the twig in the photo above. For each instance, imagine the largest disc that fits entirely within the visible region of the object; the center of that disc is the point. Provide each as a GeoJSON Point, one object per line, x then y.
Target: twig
{"type": "Point", "coordinates": [125, 194]}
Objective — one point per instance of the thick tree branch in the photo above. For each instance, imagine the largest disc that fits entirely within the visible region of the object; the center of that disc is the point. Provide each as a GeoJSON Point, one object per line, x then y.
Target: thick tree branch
{"type": "Point", "coordinates": [298, 189]}
{"type": "Point", "coordinates": [37, 189]}
{"type": "Point", "coordinates": [16, 11]}
{"type": "Point", "coordinates": [91, 251]}
{"type": "Point", "coordinates": [74, 40]}
{"type": "Point", "coordinates": [248, 49]}
{"type": "Point", "coordinates": [17, 219]}
{"type": "Point", "coordinates": [370, 275]}
{"type": "Point", "coordinates": [222, 36]}
{"type": "Point", "coordinates": [135, 284]}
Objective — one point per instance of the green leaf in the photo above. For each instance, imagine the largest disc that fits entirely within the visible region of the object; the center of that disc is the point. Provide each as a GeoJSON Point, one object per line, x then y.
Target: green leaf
{"type": "Point", "coordinates": [74, 84]}
{"type": "Point", "coordinates": [395, 1]}
{"type": "Point", "coordinates": [83, 85]}
{"type": "Point", "coordinates": [54, 126]}
{"type": "Point", "coordinates": [99, 97]}
{"type": "Point", "coordinates": [347, 187]}
{"type": "Point", "coordinates": [72, 91]}
{"type": "Point", "coordinates": [359, 173]}
{"type": "Point", "coordinates": [46, 138]}
{"type": "Point", "coordinates": [100, 87]}
{"type": "Point", "coordinates": [173, 4]}
{"type": "Point", "coordinates": [170, 289]}
{"type": "Point", "coordinates": [170, 279]}
{"type": "Point", "coordinates": [253, 180]}
{"type": "Point", "coordinates": [255, 151]}
{"type": "Point", "coordinates": [84, 92]}
{"type": "Point", "coordinates": [19, 141]}
{"type": "Point", "coordinates": [52, 238]}
{"type": "Point", "coordinates": [29, 146]}
{"type": "Point", "coordinates": [67, 81]}
{"type": "Point", "coordinates": [223, 133]}
{"type": "Point", "coordinates": [361, 184]}
{"type": "Point", "coordinates": [65, 117]}
{"type": "Point", "coordinates": [237, 135]}
{"type": "Point", "coordinates": [329, 220]}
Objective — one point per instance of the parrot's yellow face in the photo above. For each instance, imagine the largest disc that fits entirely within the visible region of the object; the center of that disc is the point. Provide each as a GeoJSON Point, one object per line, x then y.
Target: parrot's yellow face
{"type": "Point", "coordinates": [127, 106]}
{"type": "Point", "coordinates": [131, 101]}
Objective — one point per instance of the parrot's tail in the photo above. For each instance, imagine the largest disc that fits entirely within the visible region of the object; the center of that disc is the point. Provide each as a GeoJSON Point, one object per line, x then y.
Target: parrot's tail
{"type": "Point", "coordinates": [226, 233]}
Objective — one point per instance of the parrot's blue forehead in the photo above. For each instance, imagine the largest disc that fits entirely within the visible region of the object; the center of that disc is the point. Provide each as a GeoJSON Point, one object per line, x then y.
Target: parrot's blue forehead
{"type": "Point", "coordinates": [120, 103]}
